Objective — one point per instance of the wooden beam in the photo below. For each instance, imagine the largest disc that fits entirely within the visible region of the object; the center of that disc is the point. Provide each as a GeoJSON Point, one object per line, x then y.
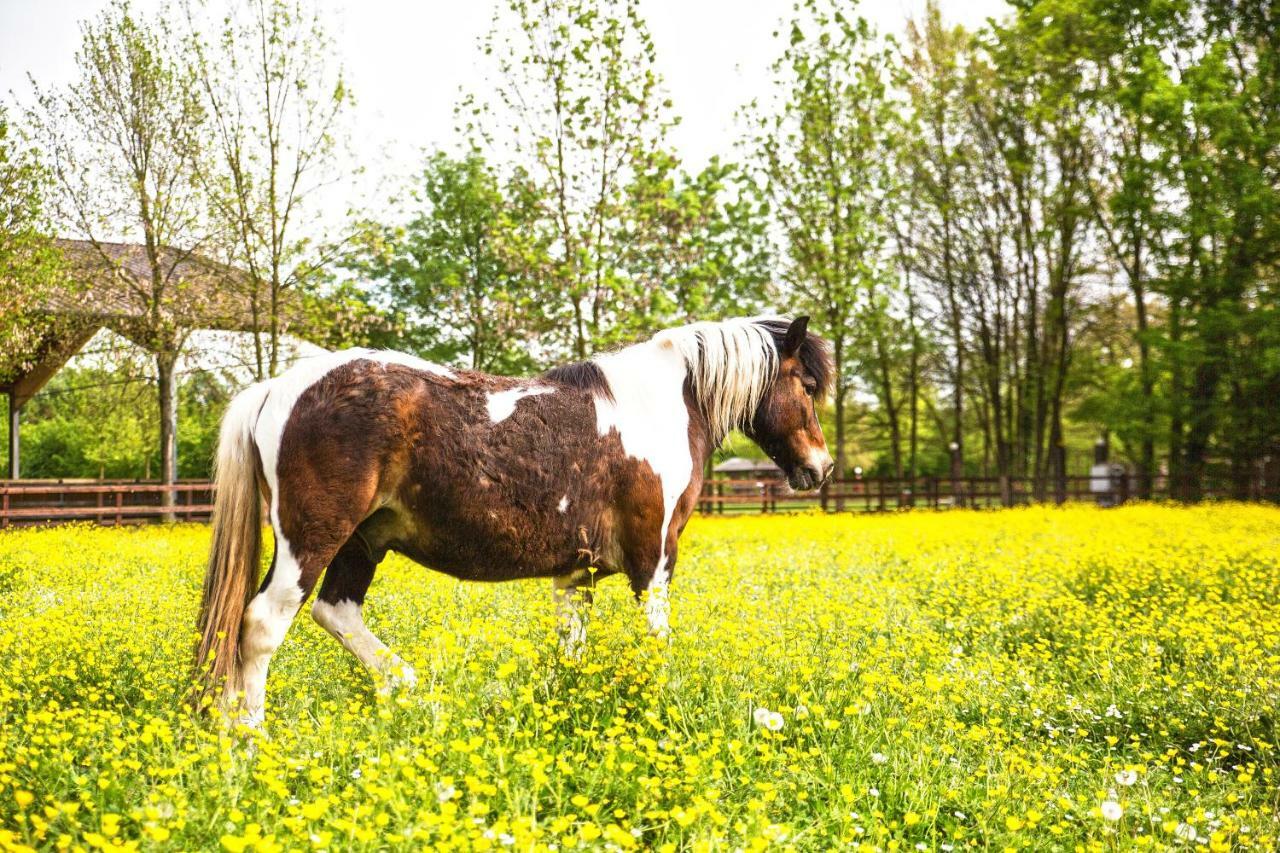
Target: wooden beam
{"type": "Point", "coordinates": [54, 354]}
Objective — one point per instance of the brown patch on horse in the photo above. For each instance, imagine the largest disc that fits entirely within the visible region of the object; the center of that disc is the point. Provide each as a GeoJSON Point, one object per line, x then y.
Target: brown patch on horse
{"type": "Point", "coordinates": [468, 496]}
{"type": "Point", "coordinates": [336, 446]}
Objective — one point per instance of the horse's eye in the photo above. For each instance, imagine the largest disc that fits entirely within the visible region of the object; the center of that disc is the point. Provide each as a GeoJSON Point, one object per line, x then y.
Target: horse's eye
{"type": "Point", "coordinates": [811, 388]}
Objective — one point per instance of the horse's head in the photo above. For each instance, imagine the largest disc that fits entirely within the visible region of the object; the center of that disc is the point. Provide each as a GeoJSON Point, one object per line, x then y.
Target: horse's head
{"type": "Point", "coordinates": [785, 424]}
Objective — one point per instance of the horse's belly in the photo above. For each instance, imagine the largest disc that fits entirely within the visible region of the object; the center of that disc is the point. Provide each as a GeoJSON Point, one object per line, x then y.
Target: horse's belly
{"type": "Point", "coordinates": [520, 547]}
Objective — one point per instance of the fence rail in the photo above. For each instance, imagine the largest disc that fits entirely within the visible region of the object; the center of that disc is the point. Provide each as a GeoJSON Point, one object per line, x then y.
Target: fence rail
{"type": "Point", "coordinates": [882, 494]}
{"type": "Point", "coordinates": [24, 502]}
{"type": "Point", "coordinates": [38, 502]}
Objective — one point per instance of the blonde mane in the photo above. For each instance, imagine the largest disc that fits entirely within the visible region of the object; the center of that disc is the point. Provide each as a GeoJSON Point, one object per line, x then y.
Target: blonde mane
{"type": "Point", "coordinates": [731, 364]}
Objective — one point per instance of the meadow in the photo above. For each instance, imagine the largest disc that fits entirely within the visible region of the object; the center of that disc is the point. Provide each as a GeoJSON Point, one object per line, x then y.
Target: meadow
{"type": "Point", "coordinates": [1071, 679]}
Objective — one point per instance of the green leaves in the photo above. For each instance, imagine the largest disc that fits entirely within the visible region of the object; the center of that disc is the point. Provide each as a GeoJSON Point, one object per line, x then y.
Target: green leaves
{"type": "Point", "coordinates": [456, 272]}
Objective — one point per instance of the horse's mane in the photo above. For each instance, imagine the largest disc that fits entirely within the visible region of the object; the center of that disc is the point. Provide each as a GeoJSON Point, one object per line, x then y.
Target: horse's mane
{"type": "Point", "coordinates": [731, 364]}
{"type": "Point", "coordinates": [584, 375]}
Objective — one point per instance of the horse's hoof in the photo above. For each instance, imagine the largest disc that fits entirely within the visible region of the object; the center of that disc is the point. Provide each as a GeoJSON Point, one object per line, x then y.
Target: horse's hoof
{"type": "Point", "coordinates": [253, 720]}
{"type": "Point", "coordinates": [400, 678]}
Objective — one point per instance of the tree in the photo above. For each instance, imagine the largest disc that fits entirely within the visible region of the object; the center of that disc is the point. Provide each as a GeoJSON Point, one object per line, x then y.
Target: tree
{"type": "Point", "coordinates": [577, 100]}
{"type": "Point", "coordinates": [123, 141]}
{"type": "Point", "coordinates": [822, 155]}
{"type": "Point", "coordinates": [933, 159]}
{"type": "Point", "coordinates": [275, 99]}
{"type": "Point", "coordinates": [28, 260]}
{"type": "Point", "coordinates": [998, 173]}
{"type": "Point", "coordinates": [30, 268]}
{"type": "Point", "coordinates": [1127, 182]}
{"type": "Point", "coordinates": [449, 270]}
{"type": "Point", "coordinates": [694, 247]}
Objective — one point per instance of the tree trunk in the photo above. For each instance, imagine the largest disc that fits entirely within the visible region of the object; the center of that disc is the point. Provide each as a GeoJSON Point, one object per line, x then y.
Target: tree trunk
{"type": "Point", "coordinates": [841, 461]}
{"type": "Point", "coordinates": [891, 408]}
{"type": "Point", "coordinates": [913, 381]}
{"type": "Point", "coordinates": [15, 437]}
{"type": "Point", "coordinates": [274, 354]}
{"type": "Point", "coordinates": [1147, 382]}
{"type": "Point", "coordinates": [1177, 464]}
{"type": "Point", "coordinates": [167, 384]}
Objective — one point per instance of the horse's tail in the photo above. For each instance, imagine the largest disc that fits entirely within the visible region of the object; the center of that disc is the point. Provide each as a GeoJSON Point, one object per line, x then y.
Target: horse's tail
{"type": "Point", "coordinates": [232, 575]}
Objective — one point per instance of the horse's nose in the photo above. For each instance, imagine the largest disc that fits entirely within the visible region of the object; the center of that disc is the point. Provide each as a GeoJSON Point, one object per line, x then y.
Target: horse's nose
{"type": "Point", "coordinates": [827, 469]}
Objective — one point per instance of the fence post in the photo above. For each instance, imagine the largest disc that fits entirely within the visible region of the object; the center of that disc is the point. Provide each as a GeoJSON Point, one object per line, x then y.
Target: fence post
{"type": "Point", "coordinates": [1060, 474]}
{"type": "Point", "coordinates": [822, 494]}
{"type": "Point", "coordinates": [4, 519]}
{"type": "Point", "coordinates": [119, 505]}
{"type": "Point", "coordinates": [957, 473]}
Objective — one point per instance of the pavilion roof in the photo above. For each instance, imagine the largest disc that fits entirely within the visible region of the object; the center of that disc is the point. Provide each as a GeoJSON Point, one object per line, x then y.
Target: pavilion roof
{"type": "Point", "coordinates": [112, 281]}
{"type": "Point", "coordinates": [109, 284]}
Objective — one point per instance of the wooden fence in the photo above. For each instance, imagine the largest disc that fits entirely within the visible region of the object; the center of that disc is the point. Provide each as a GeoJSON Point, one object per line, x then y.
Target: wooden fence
{"type": "Point", "coordinates": [106, 502]}
{"type": "Point", "coordinates": [24, 502]}
{"type": "Point", "coordinates": [884, 494]}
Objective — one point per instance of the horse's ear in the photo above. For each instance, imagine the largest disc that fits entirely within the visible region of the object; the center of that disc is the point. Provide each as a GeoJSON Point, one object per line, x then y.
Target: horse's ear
{"type": "Point", "coordinates": [795, 336]}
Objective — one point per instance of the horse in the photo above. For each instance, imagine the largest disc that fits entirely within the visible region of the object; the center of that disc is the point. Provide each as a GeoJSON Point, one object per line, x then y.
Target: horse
{"type": "Point", "coordinates": [590, 469]}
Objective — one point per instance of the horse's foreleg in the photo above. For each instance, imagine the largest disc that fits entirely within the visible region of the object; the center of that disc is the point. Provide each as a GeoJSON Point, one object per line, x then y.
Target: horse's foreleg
{"type": "Point", "coordinates": [572, 595]}
{"type": "Point", "coordinates": [339, 610]}
{"type": "Point", "coordinates": [651, 582]}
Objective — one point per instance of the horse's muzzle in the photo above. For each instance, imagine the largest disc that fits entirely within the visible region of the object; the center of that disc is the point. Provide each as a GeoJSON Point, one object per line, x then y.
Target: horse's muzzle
{"type": "Point", "coordinates": [804, 478]}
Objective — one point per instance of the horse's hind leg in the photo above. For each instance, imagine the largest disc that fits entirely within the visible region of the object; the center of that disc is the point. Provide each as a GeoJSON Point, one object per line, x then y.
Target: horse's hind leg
{"type": "Point", "coordinates": [572, 594]}
{"type": "Point", "coordinates": [338, 609]}
{"type": "Point", "coordinates": [295, 569]}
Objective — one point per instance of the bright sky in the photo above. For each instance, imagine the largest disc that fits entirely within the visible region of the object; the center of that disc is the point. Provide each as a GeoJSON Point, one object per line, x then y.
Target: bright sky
{"type": "Point", "coordinates": [407, 61]}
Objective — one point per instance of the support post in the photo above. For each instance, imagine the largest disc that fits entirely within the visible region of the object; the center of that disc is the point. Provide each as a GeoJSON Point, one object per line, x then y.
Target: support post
{"type": "Point", "coordinates": [957, 472]}
{"type": "Point", "coordinates": [167, 382]}
{"type": "Point", "coordinates": [15, 436]}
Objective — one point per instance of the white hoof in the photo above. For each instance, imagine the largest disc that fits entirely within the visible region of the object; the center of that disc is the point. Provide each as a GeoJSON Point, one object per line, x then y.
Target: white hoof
{"type": "Point", "coordinates": [252, 719]}
{"type": "Point", "coordinates": [399, 677]}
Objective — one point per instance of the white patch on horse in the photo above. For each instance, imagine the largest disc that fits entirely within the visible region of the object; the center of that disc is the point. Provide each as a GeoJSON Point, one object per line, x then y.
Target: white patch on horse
{"type": "Point", "coordinates": [657, 607]}
{"type": "Point", "coordinates": [502, 404]}
{"type": "Point", "coordinates": [819, 459]}
{"type": "Point", "coordinates": [564, 504]}
{"type": "Point", "coordinates": [345, 621]}
{"type": "Point", "coordinates": [388, 356]}
{"type": "Point", "coordinates": [729, 365]}
{"type": "Point", "coordinates": [649, 414]}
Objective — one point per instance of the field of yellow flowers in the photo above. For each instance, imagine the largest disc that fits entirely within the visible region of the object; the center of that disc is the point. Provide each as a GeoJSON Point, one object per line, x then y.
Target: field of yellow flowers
{"type": "Point", "coordinates": [1038, 678]}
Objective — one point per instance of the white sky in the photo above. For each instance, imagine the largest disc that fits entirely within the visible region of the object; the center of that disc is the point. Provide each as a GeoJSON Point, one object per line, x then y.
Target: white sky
{"type": "Point", "coordinates": [406, 61]}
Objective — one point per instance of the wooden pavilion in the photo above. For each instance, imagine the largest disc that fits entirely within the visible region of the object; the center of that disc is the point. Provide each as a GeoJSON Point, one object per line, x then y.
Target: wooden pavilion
{"type": "Point", "coordinates": [113, 286]}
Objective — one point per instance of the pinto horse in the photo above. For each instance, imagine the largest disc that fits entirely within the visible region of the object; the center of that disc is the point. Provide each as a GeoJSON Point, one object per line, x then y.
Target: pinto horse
{"type": "Point", "coordinates": [591, 468]}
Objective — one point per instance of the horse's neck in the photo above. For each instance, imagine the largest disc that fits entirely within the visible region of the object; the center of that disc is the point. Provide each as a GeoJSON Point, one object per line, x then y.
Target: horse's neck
{"type": "Point", "coordinates": [649, 398]}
